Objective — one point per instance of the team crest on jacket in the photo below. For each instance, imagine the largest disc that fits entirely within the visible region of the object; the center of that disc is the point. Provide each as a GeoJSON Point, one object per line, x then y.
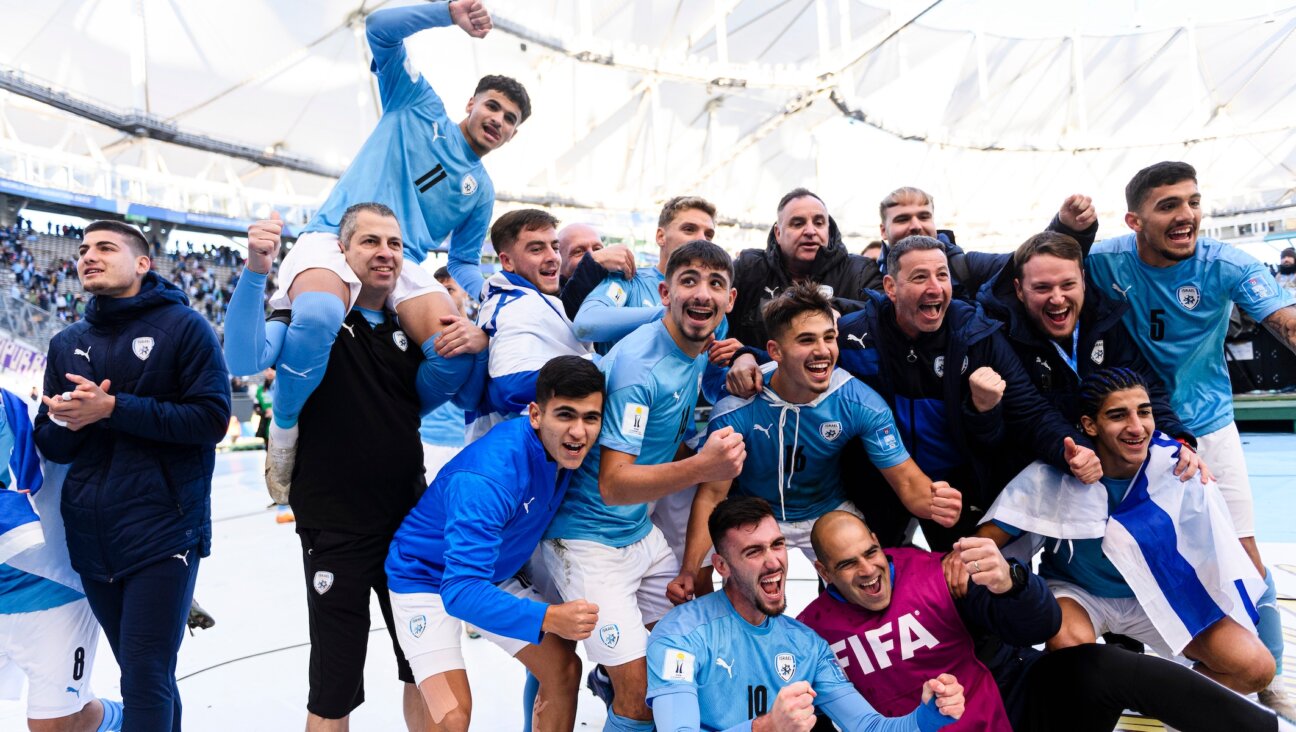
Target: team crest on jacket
{"type": "Point", "coordinates": [1098, 352]}
{"type": "Point", "coordinates": [400, 340]}
{"type": "Point", "coordinates": [469, 185]}
{"type": "Point", "coordinates": [1189, 296]}
{"type": "Point", "coordinates": [830, 430]}
{"type": "Point", "coordinates": [786, 665]}
{"type": "Point", "coordinates": [142, 347]}
{"type": "Point", "coordinates": [417, 625]}
{"type": "Point", "coordinates": [938, 365]}
{"type": "Point", "coordinates": [322, 582]}
{"type": "Point", "coordinates": [610, 634]}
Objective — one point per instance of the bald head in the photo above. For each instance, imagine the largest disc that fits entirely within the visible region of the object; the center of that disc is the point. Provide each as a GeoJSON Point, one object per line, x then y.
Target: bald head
{"type": "Point", "coordinates": [835, 525]}
{"type": "Point", "coordinates": [574, 242]}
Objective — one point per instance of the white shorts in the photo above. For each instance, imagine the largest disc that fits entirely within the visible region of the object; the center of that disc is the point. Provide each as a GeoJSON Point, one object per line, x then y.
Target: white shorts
{"type": "Point", "coordinates": [1221, 450]}
{"type": "Point", "coordinates": [319, 250]}
{"type": "Point", "coordinates": [430, 638]}
{"type": "Point", "coordinates": [1123, 615]}
{"type": "Point", "coordinates": [671, 515]}
{"type": "Point", "coordinates": [628, 584]}
{"type": "Point", "coordinates": [797, 533]}
{"type": "Point", "coordinates": [55, 648]}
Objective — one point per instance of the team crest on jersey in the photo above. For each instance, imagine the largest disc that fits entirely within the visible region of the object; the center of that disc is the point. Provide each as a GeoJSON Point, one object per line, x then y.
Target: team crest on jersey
{"type": "Point", "coordinates": [610, 634]}
{"type": "Point", "coordinates": [938, 365]}
{"type": "Point", "coordinates": [469, 185]}
{"type": "Point", "coordinates": [417, 625]}
{"type": "Point", "coordinates": [786, 665]}
{"type": "Point", "coordinates": [1098, 352]}
{"type": "Point", "coordinates": [322, 582]}
{"type": "Point", "coordinates": [830, 430]}
{"type": "Point", "coordinates": [142, 347]}
{"type": "Point", "coordinates": [1189, 296]}
{"type": "Point", "coordinates": [401, 341]}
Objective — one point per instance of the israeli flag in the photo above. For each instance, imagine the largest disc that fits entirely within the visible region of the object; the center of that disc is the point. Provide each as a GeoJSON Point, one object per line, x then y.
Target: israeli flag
{"type": "Point", "coordinates": [20, 527]}
{"type": "Point", "coordinates": [1172, 541]}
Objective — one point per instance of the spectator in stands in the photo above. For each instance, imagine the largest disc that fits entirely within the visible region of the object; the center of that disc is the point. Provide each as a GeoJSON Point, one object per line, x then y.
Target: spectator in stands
{"type": "Point", "coordinates": [1286, 271]}
{"type": "Point", "coordinates": [872, 250]}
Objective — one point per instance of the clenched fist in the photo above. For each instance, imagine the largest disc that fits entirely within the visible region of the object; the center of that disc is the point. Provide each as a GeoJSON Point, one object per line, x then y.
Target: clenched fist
{"type": "Point", "coordinates": [987, 388]}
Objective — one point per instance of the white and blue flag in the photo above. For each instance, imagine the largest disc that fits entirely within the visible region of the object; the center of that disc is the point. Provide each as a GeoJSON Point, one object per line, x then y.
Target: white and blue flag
{"type": "Point", "coordinates": [1171, 540]}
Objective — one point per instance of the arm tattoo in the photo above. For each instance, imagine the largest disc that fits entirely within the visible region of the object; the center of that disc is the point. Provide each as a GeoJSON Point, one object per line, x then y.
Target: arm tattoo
{"type": "Point", "coordinates": [1283, 325]}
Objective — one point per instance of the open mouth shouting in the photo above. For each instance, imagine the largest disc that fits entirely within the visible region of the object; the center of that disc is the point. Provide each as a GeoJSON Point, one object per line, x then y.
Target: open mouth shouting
{"type": "Point", "coordinates": [1182, 236]}
{"type": "Point", "coordinates": [771, 586]}
{"type": "Point", "coordinates": [699, 315]}
{"type": "Point", "coordinates": [931, 311]}
{"type": "Point", "coordinates": [819, 370]}
{"type": "Point", "coordinates": [872, 588]}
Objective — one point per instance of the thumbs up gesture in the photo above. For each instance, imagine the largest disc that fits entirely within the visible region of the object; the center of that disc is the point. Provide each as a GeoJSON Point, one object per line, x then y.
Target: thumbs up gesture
{"type": "Point", "coordinates": [1084, 462]}
{"type": "Point", "coordinates": [264, 237]}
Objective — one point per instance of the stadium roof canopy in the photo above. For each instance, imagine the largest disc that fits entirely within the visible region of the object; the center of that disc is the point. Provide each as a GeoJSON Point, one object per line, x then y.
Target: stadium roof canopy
{"type": "Point", "coordinates": [999, 108]}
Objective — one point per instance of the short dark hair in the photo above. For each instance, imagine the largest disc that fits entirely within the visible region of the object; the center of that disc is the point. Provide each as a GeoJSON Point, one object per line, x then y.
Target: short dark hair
{"type": "Point", "coordinates": [675, 206]}
{"type": "Point", "coordinates": [347, 226]}
{"type": "Point", "coordinates": [703, 252]}
{"type": "Point", "coordinates": [507, 228]}
{"type": "Point", "coordinates": [1098, 385]}
{"type": "Point", "coordinates": [511, 88]}
{"type": "Point", "coordinates": [793, 195]}
{"type": "Point", "coordinates": [442, 274]}
{"type": "Point", "coordinates": [900, 195]}
{"type": "Point", "coordinates": [1052, 243]}
{"type": "Point", "coordinates": [1165, 173]}
{"type": "Point", "coordinates": [134, 237]}
{"type": "Point", "coordinates": [733, 512]}
{"type": "Point", "coordinates": [914, 243]}
{"type": "Point", "coordinates": [875, 244]}
{"type": "Point", "coordinates": [803, 297]}
{"type": "Point", "coordinates": [572, 377]}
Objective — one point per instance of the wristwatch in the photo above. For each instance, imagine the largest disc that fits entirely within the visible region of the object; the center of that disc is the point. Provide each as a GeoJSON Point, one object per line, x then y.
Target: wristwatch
{"type": "Point", "coordinates": [1020, 577]}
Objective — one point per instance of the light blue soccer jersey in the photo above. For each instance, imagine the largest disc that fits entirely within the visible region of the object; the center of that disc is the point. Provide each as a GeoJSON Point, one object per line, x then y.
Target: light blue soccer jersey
{"type": "Point", "coordinates": [794, 450]}
{"type": "Point", "coordinates": [651, 388]}
{"type": "Point", "coordinates": [735, 670]}
{"type": "Point", "coordinates": [1179, 315]}
{"type": "Point", "coordinates": [617, 306]}
{"type": "Point", "coordinates": [416, 160]}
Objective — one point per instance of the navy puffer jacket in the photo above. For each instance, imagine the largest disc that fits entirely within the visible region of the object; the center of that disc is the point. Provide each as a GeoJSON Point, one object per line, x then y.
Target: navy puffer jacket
{"type": "Point", "coordinates": [138, 488]}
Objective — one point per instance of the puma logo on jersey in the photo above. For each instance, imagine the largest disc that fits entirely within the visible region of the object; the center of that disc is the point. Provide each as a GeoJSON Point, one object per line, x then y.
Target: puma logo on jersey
{"type": "Point", "coordinates": [881, 642]}
{"type": "Point", "coordinates": [676, 395]}
{"type": "Point", "coordinates": [724, 665]}
{"type": "Point", "coordinates": [436, 132]}
{"type": "Point", "coordinates": [858, 339]}
{"type": "Point", "coordinates": [1124, 291]}
{"type": "Point", "coordinates": [526, 505]}
{"type": "Point", "coordinates": [349, 328]}
{"type": "Point", "coordinates": [293, 371]}
{"type": "Point", "coordinates": [772, 291]}
{"type": "Point", "coordinates": [763, 428]}
{"type": "Point", "coordinates": [78, 352]}
{"type": "Point", "coordinates": [182, 557]}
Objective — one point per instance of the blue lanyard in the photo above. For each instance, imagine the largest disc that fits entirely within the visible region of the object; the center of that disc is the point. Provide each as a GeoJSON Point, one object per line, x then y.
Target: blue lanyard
{"type": "Point", "coordinates": [1075, 342]}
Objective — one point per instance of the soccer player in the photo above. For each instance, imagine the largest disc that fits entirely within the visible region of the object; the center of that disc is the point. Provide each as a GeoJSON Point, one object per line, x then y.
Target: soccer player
{"type": "Point", "coordinates": [47, 629]}
{"type": "Point", "coordinates": [733, 661]}
{"type": "Point", "coordinates": [1094, 579]}
{"type": "Point", "coordinates": [461, 554]}
{"type": "Point", "coordinates": [622, 303]}
{"type": "Point", "coordinates": [136, 397]}
{"type": "Point", "coordinates": [523, 317]}
{"type": "Point", "coordinates": [601, 545]}
{"type": "Point", "coordinates": [1180, 288]}
{"type": "Point", "coordinates": [796, 429]}
{"type": "Point", "coordinates": [893, 620]}
{"type": "Point", "coordinates": [374, 387]}
{"type": "Point", "coordinates": [428, 170]}
{"type": "Point", "coordinates": [911, 211]}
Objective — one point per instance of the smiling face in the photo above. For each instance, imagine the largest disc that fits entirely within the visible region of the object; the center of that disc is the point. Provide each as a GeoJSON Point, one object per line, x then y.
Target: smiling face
{"type": "Point", "coordinates": [534, 257]}
{"type": "Point", "coordinates": [1052, 291]}
{"type": "Point", "coordinates": [1166, 223]}
{"type": "Point", "coordinates": [492, 121]}
{"type": "Point", "coordinates": [1121, 430]}
{"type": "Point", "coordinates": [568, 427]}
{"type": "Point", "coordinates": [696, 299]}
{"type": "Point", "coordinates": [852, 561]}
{"type": "Point", "coordinates": [374, 253]}
{"type": "Point", "coordinates": [921, 291]}
{"type": "Point", "coordinates": [910, 217]}
{"type": "Point", "coordinates": [688, 225]}
{"type": "Point", "coordinates": [806, 352]}
{"type": "Point", "coordinates": [802, 230]}
{"type": "Point", "coordinates": [108, 266]}
{"type": "Point", "coordinates": [753, 561]}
